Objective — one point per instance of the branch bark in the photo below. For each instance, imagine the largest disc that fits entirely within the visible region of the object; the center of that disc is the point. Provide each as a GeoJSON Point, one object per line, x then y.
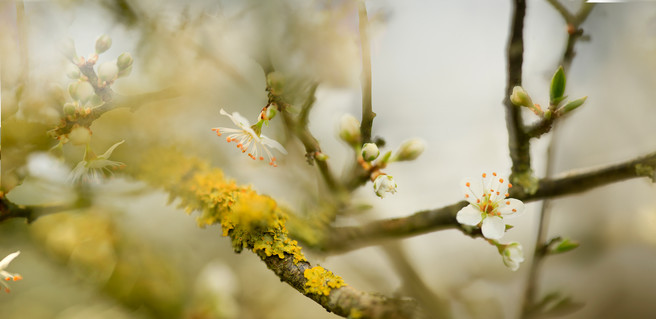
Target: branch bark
{"type": "Point", "coordinates": [349, 238]}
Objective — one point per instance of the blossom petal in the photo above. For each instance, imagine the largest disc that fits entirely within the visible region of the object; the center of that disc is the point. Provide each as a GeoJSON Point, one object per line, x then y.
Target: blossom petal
{"type": "Point", "coordinates": [473, 190]}
{"type": "Point", "coordinates": [469, 216]}
{"type": "Point", "coordinates": [493, 227]}
{"type": "Point", "coordinates": [273, 143]}
{"type": "Point", "coordinates": [5, 261]}
{"type": "Point", "coordinates": [511, 208]}
{"type": "Point", "coordinates": [236, 118]}
{"type": "Point", "coordinates": [110, 150]}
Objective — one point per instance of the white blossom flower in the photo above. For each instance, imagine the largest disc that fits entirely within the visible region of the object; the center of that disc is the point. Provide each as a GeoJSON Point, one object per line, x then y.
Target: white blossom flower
{"type": "Point", "coordinates": [91, 169]}
{"type": "Point", "coordinates": [7, 276]}
{"type": "Point", "coordinates": [384, 184]}
{"type": "Point", "coordinates": [248, 140]}
{"type": "Point", "coordinates": [512, 255]}
{"type": "Point", "coordinates": [489, 205]}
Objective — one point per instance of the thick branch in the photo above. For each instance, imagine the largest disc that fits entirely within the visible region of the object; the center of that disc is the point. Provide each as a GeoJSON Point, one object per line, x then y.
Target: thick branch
{"type": "Point", "coordinates": [518, 141]}
{"type": "Point", "coordinates": [344, 301]}
{"type": "Point", "coordinates": [348, 238]}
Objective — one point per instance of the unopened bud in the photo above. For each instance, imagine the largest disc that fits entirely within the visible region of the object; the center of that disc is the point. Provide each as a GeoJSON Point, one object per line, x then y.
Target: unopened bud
{"type": "Point", "coordinates": [67, 47]}
{"type": "Point", "coordinates": [69, 108]}
{"type": "Point", "coordinates": [409, 150]}
{"type": "Point", "coordinates": [384, 184]}
{"type": "Point", "coordinates": [108, 71]}
{"type": "Point", "coordinates": [125, 72]}
{"type": "Point", "coordinates": [81, 91]}
{"type": "Point", "coordinates": [73, 72]}
{"type": "Point", "coordinates": [519, 97]}
{"type": "Point", "coordinates": [370, 152]}
{"type": "Point", "coordinates": [349, 129]}
{"type": "Point", "coordinates": [124, 61]}
{"type": "Point", "coordinates": [103, 43]}
{"type": "Point", "coordinates": [80, 136]}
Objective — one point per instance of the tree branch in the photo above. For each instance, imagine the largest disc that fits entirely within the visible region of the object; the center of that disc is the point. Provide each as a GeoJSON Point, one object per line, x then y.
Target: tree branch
{"type": "Point", "coordinates": [367, 113]}
{"type": "Point", "coordinates": [344, 301]}
{"type": "Point", "coordinates": [518, 141]}
{"type": "Point", "coordinates": [349, 238]}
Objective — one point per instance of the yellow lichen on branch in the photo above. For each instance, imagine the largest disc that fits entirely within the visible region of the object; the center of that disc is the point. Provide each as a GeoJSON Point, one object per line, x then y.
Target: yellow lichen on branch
{"type": "Point", "coordinates": [321, 281]}
{"type": "Point", "coordinates": [251, 220]}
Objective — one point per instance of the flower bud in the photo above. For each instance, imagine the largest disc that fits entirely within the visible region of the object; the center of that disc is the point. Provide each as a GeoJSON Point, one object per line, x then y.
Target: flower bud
{"type": "Point", "coordinates": [370, 152]}
{"type": "Point", "coordinates": [384, 184]}
{"type": "Point", "coordinates": [125, 72]}
{"type": "Point", "coordinates": [67, 47]}
{"type": "Point", "coordinates": [103, 43]}
{"type": "Point", "coordinates": [349, 129]}
{"type": "Point", "coordinates": [69, 108]}
{"type": "Point", "coordinates": [108, 71]}
{"type": "Point", "coordinates": [512, 255]}
{"type": "Point", "coordinates": [79, 136]}
{"type": "Point", "coordinates": [124, 61]}
{"type": "Point", "coordinates": [519, 97]}
{"type": "Point", "coordinates": [81, 91]}
{"type": "Point", "coordinates": [409, 150]}
{"type": "Point", "coordinates": [72, 72]}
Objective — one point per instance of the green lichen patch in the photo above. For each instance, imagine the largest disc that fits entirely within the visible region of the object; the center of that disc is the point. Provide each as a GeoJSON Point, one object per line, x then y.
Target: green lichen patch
{"type": "Point", "coordinates": [321, 281]}
{"type": "Point", "coordinates": [251, 220]}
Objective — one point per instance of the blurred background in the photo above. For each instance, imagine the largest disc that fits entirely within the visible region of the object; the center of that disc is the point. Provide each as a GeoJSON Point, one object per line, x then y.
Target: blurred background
{"type": "Point", "coordinates": [439, 72]}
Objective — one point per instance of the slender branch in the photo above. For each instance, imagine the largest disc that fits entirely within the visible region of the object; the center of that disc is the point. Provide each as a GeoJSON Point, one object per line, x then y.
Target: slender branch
{"type": "Point", "coordinates": [367, 113]}
{"type": "Point", "coordinates": [413, 285]}
{"type": "Point", "coordinates": [349, 238]}
{"type": "Point", "coordinates": [543, 224]}
{"type": "Point", "coordinates": [562, 10]}
{"type": "Point", "coordinates": [518, 141]}
{"type": "Point", "coordinates": [300, 129]}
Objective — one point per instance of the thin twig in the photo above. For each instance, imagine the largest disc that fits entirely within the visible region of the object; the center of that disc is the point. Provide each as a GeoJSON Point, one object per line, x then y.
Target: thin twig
{"type": "Point", "coordinates": [367, 113]}
{"type": "Point", "coordinates": [528, 304]}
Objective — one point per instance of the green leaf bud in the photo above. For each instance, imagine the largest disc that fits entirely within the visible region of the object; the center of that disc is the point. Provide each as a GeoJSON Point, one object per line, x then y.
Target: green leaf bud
{"type": "Point", "coordinates": [557, 86]}
{"type": "Point", "coordinates": [571, 106]}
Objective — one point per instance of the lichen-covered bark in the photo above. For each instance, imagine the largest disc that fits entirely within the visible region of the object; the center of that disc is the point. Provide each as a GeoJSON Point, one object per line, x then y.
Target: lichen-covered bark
{"type": "Point", "coordinates": [255, 222]}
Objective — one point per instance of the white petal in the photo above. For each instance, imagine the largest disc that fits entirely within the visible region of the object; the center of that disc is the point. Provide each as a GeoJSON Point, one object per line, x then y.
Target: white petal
{"type": "Point", "coordinates": [511, 208]}
{"type": "Point", "coordinates": [493, 227]}
{"type": "Point", "coordinates": [469, 216]}
{"type": "Point", "coordinates": [273, 143]}
{"type": "Point", "coordinates": [500, 186]}
{"type": "Point", "coordinates": [473, 192]}
{"type": "Point", "coordinates": [110, 150]}
{"type": "Point", "coordinates": [5, 261]}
